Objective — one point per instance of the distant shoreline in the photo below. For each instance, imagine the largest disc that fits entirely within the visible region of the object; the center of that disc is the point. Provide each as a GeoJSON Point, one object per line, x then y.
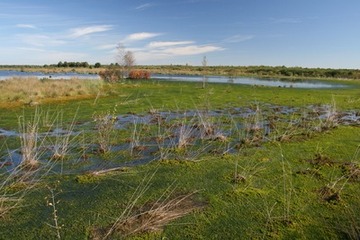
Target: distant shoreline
{"type": "Point", "coordinates": [230, 71]}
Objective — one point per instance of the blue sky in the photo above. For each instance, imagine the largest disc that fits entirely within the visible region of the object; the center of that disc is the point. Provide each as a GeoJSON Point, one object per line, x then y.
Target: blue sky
{"type": "Point", "coordinates": [306, 33]}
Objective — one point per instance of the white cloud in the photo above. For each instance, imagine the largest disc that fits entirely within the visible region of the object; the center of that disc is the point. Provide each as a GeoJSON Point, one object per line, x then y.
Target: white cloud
{"type": "Point", "coordinates": [107, 46]}
{"type": "Point", "coordinates": [135, 49]}
{"type": "Point", "coordinates": [79, 32]}
{"type": "Point", "coordinates": [168, 50]}
{"type": "Point", "coordinates": [32, 49]}
{"type": "Point", "coordinates": [149, 56]}
{"type": "Point", "coordinates": [191, 50]}
{"type": "Point", "coordinates": [168, 44]}
{"type": "Point", "coordinates": [165, 53]}
{"type": "Point", "coordinates": [140, 36]}
{"type": "Point", "coordinates": [26, 26]}
{"type": "Point", "coordinates": [239, 38]}
{"type": "Point", "coordinates": [41, 40]}
{"type": "Point", "coordinates": [143, 6]}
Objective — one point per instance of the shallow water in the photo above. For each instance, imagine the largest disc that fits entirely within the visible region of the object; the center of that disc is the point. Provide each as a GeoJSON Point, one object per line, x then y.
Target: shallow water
{"type": "Point", "coordinates": [6, 74]}
{"type": "Point", "coordinates": [159, 134]}
{"type": "Point", "coordinates": [270, 82]}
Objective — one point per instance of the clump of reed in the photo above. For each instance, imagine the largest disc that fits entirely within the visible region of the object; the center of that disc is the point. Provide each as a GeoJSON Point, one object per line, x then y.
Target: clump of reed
{"type": "Point", "coordinates": [17, 179]}
{"type": "Point", "coordinates": [29, 90]}
{"type": "Point", "coordinates": [152, 216]}
{"type": "Point", "coordinates": [105, 126]}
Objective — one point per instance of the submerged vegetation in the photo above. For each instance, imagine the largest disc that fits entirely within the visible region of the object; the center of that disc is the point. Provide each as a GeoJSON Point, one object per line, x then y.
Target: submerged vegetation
{"type": "Point", "coordinates": [153, 160]}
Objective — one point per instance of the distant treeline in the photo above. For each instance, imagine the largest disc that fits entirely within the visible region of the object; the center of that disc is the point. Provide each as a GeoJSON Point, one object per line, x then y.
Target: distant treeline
{"type": "Point", "coordinates": [265, 71]}
{"type": "Point", "coordinates": [262, 71]}
{"type": "Point", "coordinates": [75, 64]}
{"type": "Point", "coordinates": [302, 72]}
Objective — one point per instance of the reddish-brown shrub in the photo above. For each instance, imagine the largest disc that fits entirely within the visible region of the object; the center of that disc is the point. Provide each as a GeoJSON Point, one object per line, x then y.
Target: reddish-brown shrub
{"type": "Point", "coordinates": [139, 74]}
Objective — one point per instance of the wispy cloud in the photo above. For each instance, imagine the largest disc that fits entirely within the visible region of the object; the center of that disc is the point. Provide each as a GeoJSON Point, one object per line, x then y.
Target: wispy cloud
{"type": "Point", "coordinates": [140, 36]}
{"type": "Point", "coordinates": [106, 46]}
{"type": "Point", "coordinates": [32, 49]}
{"type": "Point", "coordinates": [26, 26]}
{"type": "Point", "coordinates": [83, 31]}
{"type": "Point", "coordinates": [169, 50]}
{"type": "Point", "coordinates": [238, 38]}
{"type": "Point", "coordinates": [168, 44]}
{"type": "Point", "coordinates": [40, 40]}
{"type": "Point", "coordinates": [144, 6]}
{"type": "Point", "coordinates": [191, 50]}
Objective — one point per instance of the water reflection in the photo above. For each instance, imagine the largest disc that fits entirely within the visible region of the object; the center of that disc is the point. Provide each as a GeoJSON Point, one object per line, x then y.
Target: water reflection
{"type": "Point", "coordinates": [296, 83]}
{"type": "Point", "coordinates": [272, 82]}
{"type": "Point", "coordinates": [6, 74]}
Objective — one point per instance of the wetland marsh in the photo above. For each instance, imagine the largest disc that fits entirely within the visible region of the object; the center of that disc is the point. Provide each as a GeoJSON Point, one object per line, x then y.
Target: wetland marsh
{"type": "Point", "coordinates": [152, 159]}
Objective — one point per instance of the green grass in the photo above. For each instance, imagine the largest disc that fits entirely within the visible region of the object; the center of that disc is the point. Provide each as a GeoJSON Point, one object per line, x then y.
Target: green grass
{"type": "Point", "coordinates": [142, 96]}
{"type": "Point", "coordinates": [280, 194]}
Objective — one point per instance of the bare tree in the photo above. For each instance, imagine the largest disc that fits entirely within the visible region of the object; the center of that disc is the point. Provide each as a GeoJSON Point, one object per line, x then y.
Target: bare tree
{"type": "Point", "coordinates": [129, 59]}
{"type": "Point", "coordinates": [120, 53]}
{"type": "Point", "coordinates": [125, 59]}
{"type": "Point", "coordinates": [204, 64]}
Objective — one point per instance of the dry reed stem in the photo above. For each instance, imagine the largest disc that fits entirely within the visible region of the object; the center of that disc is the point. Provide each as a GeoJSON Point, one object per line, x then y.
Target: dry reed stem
{"type": "Point", "coordinates": [16, 183]}
{"type": "Point", "coordinates": [155, 216]}
{"type": "Point", "coordinates": [159, 215]}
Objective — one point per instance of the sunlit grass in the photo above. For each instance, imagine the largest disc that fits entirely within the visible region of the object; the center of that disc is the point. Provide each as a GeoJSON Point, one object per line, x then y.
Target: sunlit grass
{"type": "Point", "coordinates": [30, 90]}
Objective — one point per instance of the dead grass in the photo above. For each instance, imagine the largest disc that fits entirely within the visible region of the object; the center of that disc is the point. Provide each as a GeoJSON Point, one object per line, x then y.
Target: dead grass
{"type": "Point", "coordinates": [152, 217]}
{"type": "Point", "coordinates": [321, 160]}
{"type": "Point", "coordinates": [31, 90]}
{"type": "Point", "coordinates": [329, 194]}
{"type": "Point", "coordinates": [159, 214]}
{"type": "Point", "coordinates": [351, 170]}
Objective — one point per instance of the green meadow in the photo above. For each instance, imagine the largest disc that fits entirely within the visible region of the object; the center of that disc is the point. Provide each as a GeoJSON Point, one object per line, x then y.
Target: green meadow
{"type": "Point", "coordinates": [151, 159]}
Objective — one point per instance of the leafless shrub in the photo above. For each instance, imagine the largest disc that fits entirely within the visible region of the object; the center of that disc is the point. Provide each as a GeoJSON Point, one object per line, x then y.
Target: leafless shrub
{"type": "Point", "coordinates": [29, 137]}
{"type": "Point", "coordinates": [135, 138]}
{"type": "Point", "coordinates": [185, 136]}
{"type": "Point", "coordinates": [63, 139]}
{"type": "Point", "coordinates": [206, 126]}
{"type": "Point", "coordinates": [105, 123]}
